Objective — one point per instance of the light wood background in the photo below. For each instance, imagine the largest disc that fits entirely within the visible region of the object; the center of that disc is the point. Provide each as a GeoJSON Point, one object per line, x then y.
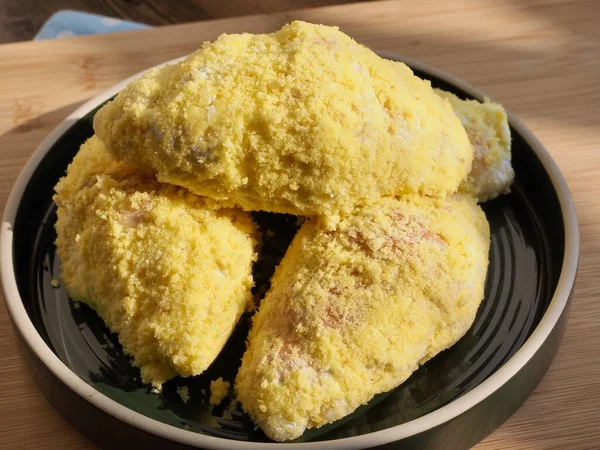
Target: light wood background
{"type": "Point", "coordinates": [20, 20]}
{"type": "Point", "coordinates": [541, 59]}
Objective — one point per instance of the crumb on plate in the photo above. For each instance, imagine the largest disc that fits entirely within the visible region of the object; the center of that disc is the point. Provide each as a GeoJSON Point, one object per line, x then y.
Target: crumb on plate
{"type": "Point", "coordinates": [184, 393]}
{"type": "Point", "coordinates": [218, 391]}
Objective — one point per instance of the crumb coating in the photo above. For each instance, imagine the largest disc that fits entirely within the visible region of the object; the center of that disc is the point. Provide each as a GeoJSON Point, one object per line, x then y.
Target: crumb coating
{"type": "Point", "coordinates": [354, 310]}
{"type": "Point", "coordinates": [302, 121]}
{"type": "Point", "coordinates": [487, 127]}
{"type": "Point", "coordinates": [168, 274]}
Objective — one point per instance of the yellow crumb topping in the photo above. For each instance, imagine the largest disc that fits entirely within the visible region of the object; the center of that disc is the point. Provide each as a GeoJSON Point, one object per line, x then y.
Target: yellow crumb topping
{"type": "Point", "coordinates": [487, 127]}
{"type": "Point", "coordinates": [354, 310]}
{"type": "Point", "coordinates": [168, 274]}
{"type": "Point", "coordinates": [218, 391]}
{"type": "Point", "coordinates": [303, 121]}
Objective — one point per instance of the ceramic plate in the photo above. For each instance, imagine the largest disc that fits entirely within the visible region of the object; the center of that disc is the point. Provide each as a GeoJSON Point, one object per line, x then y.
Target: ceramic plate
{"type": "Point", "coordinates": [452, 401]}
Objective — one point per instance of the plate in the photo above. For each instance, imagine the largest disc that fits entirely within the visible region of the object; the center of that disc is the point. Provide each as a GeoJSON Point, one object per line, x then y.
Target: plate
{"type": "Point", "coordinates": [452, 401]}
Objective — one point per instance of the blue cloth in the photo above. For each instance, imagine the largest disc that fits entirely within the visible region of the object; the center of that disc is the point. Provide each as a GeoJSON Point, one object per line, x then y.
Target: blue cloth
{"type": "Point", "coordinates": [69, 23]}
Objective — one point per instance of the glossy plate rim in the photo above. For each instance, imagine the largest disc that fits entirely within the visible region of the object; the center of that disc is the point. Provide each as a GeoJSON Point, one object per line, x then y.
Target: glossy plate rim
{"type": "Point", "coordinates": [25, 327]}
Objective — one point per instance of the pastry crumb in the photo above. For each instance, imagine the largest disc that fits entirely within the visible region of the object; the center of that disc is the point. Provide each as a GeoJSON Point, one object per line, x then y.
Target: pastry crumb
{"type": "Point", "coordinates": [54, 282]}
{"type": "Point", "coordinates": [184, 393]}
{"type": "Point", "coordinates": [218, 391]}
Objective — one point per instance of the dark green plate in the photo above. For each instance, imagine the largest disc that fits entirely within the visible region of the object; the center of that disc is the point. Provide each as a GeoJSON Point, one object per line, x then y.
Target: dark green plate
{"type": "Point", "coordinates": [452, 401]}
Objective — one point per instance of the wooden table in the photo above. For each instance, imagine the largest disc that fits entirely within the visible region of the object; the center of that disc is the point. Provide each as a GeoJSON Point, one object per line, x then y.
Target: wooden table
{"type": "Point", "coordinates": [541, 59]}
{"type": "Point", "coordinates": [20, 20]}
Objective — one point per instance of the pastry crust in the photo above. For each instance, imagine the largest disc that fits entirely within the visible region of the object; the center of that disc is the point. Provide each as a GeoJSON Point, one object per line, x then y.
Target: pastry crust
{"type": "Point", "coordinates": [355, 309]}
{"type": "Point", "coordinates": [165, 271]}
{"type": "Point", "coordinates": [303, 121]}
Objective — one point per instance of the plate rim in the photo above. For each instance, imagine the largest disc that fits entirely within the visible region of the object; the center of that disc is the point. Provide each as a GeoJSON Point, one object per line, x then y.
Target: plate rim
{"type": "Point", "coordinates": [34, 341]}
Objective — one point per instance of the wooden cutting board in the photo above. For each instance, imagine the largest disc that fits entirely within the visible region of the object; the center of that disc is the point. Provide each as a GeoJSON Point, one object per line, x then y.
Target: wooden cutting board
{"type": "Point", "coordinates": [541, 59]}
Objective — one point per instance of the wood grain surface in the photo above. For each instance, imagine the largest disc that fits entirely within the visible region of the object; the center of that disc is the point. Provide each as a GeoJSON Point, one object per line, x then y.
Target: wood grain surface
{"type": "Point", "coordinates": [20, 20]}
{"type": "Point", "coordinates": [540, 58]}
